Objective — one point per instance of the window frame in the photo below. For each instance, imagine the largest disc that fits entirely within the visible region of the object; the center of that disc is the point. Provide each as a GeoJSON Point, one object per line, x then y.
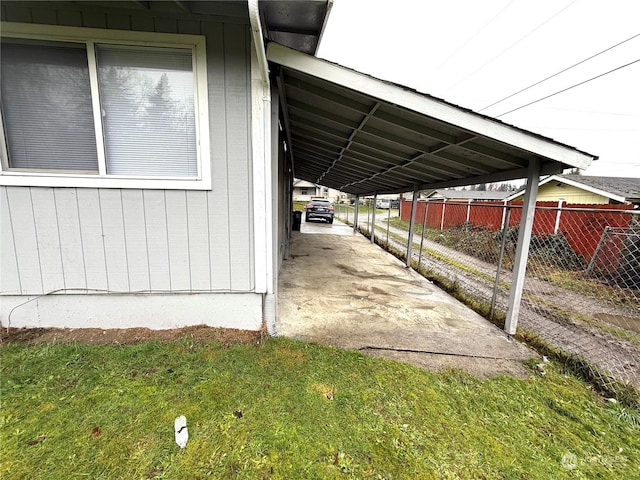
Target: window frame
{"type": "Point", "coordinates": [100, 179]}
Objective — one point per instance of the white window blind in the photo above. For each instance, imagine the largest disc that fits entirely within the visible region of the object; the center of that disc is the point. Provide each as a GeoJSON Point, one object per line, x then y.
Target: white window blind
{"type": "Point", "coordinates": [46, 106]}
{"type": "Point", "coordinates": [147, 105]}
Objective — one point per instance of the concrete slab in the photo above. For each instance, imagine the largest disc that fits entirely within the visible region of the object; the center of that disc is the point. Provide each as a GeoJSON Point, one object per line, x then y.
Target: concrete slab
{"type": "Point", "coordinates": [339, 289]}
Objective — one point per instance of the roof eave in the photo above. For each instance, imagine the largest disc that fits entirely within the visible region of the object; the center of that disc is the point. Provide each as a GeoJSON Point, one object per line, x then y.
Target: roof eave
{"type": "Point", "coordinates": [438, 109]}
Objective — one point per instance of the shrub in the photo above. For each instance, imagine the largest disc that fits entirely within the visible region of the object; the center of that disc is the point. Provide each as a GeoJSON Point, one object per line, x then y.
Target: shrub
{"type": "Point", "coordinates": [555, 250]}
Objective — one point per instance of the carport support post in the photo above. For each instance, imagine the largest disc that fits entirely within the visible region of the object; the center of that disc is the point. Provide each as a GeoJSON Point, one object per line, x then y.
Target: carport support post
{"type": "Point", "coordinates": [522, 250]}
{"type": "Point", "coordinates": [412, 223]}
{"type": "Point", "coordinates": [388, 222]}
{"type": "Point", "coordinates": [373, 218]}
{"type": "Point", "coordinates": [355, 214]}
{"type": "Point", "coordinates": [424, 223]}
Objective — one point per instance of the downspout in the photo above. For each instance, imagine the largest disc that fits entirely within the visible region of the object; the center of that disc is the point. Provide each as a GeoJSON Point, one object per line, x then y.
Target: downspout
{"type": "Point", "coordinates": [263, 193]}
{"type": "Point", "coordinates": [258, 40]}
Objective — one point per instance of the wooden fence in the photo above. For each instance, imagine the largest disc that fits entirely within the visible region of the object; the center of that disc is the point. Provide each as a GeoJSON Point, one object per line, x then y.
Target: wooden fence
{"type": "Point", "coordinates": [582, 225]}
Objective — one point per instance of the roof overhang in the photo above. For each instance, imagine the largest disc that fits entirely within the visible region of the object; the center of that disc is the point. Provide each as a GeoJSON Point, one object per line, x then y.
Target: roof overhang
{"type": "Point", "coordinates": [297, 24]}
{"type": "Point", "coordinates": [361, 135]}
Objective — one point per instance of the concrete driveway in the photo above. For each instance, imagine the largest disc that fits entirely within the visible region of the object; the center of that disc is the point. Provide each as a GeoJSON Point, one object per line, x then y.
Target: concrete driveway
{"type": "Point", "coordinates": [338, 289]}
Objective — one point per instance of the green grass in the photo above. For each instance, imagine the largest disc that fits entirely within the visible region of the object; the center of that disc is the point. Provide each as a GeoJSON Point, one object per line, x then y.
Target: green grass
{"type": "Point", "coordinates": [286, 409]}
{"type": "Point", "coordinates": [575, 281]}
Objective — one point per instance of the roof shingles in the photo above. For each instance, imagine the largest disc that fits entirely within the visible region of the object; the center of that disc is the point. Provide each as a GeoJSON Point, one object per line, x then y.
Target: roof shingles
{"type": "Point", "coordinates": [629, 188]}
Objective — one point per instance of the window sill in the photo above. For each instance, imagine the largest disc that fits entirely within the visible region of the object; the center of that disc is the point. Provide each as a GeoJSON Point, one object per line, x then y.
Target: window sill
{"type": "Point", "coordinates": [95, 181]}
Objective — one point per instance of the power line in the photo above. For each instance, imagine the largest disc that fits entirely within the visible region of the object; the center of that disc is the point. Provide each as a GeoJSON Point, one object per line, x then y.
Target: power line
{"type": "Point", "coordinates": [569, 88]}
{"type": "Point", "coordinates": [512, 45]}
{"type": "Point", "coordinates": [471, 38]}
{"type": "Point", "coordinates": [561, 71]}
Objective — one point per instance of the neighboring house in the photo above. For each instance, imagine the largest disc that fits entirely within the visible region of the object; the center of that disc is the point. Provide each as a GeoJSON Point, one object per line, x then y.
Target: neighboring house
{"type": "Point", "coordinates": [588, 190]}
{"type": "Point", "coordinates": [148, 153]}
{"type": "Point", "coordinates": [467, 195]}
{"type": "Point", "coordinates": [304, 191]}
{"type": "Point", "coordinates": [336, 196]}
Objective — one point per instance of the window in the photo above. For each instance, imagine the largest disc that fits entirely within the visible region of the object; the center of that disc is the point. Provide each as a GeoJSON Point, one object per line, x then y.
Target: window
{"type": "Point", "coordinates": [85, 107]}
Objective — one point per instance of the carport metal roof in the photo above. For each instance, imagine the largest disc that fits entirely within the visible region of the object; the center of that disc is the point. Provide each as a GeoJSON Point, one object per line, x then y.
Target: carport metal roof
{"type": "Point", "coordinates": [361, 135]}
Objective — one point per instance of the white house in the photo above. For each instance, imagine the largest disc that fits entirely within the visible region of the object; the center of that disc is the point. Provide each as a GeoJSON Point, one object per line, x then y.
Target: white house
{"type": "Point", "coordinates": [305, 191]}
{"type": "Point", "coordinates": [149, 148]}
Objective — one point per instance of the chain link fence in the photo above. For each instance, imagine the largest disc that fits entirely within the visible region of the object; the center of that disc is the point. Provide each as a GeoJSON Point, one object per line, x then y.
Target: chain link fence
{"type": "Point", "coordinates": [582, 286]}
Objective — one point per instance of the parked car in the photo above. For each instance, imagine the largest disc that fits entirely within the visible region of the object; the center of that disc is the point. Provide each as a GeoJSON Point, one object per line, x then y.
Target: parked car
{"type": "Point", "coordinates": [383, 203]}
{"type": "Point", "coordinates": [319, 209]}
{"type": "Point", "coordinates": [395, 203]}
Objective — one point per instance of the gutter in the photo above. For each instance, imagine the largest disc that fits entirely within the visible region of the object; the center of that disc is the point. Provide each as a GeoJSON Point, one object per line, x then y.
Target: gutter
{"type": "Point", "coordinates": [262, 180]}
{"type": "Point", "coordinates": [258, 39]}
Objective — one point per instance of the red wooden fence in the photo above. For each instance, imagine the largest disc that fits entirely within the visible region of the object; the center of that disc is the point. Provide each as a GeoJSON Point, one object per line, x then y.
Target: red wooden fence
{"type": "Point", "coordinates": [582, 230]}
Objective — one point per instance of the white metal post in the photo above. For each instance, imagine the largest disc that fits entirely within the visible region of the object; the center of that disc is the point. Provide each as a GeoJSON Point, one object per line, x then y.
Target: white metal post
{"type": "Point", "coordinates": [558, 215]}
{"type": "Point", "coordinates": [356, 213]}
{"type": "Point", "coordinates": [522, 250]}
{"type": "Point", "coordinates": [414, 204]}
{"type": "Point", "coordinates": [389, 222]}
{"type": "Point", "coordinates": [444, 205]}
{"type": "Point", "coordinates": [373, 218]}
{"type": "Point", "coordinates": [424, 224]}
{"type": "Point", "coordinates": [504, 212]}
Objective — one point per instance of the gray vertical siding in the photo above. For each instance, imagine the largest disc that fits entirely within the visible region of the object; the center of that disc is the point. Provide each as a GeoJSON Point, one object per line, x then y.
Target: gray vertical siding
{"type": "Point", "coordinates": [133, 240]}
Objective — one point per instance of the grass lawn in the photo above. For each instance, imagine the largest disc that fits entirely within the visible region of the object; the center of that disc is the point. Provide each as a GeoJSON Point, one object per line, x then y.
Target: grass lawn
{"type": "Point", "coordinates": [291, 410]}
{"type": "Point", "coordinates": [298, 205]}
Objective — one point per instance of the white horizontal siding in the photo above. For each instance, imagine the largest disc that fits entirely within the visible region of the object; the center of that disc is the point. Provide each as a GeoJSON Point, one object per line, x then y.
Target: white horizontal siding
{"type": "Point", "coordinates": [87, 240]}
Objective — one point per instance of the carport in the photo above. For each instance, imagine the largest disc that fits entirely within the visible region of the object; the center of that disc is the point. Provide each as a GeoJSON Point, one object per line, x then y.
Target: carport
{"type": "Point", "coordinates": [339, 289]}
{"type": "Point", "coordinates": [364, 136]}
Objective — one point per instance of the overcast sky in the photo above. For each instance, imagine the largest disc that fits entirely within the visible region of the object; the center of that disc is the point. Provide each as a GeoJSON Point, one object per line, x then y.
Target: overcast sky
{"type": "Point", "coordinates": [473, 53]}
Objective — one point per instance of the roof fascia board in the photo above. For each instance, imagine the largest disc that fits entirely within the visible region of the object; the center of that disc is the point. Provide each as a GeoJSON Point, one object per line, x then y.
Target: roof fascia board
{"type": "Point", "coordinates": [520, 193]}
{"type": "Point", "coordinates": [430, 107]}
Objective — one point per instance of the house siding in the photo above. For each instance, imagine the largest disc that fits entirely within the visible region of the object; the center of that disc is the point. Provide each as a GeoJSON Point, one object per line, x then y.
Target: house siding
{"type": "Point", "coordinates": [551, 192]}
{"type": "Point", "coordinates": [89, 240]}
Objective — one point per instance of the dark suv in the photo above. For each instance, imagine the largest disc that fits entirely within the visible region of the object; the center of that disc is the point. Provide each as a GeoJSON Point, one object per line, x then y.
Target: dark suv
{"type": "Point", "coordinates": [319, 208]}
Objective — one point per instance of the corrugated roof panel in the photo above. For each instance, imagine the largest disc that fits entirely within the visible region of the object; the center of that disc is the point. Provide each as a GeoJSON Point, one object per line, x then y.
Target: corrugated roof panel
{"type": "Point", "coordinates": [361, 135]}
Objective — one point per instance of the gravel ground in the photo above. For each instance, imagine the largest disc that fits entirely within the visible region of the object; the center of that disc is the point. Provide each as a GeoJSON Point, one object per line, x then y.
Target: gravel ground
{"type": "Point", "coordinates": [619, 357]}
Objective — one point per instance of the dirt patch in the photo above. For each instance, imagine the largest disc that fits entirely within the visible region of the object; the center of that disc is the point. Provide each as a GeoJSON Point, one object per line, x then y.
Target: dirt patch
{"type": "Point", "coordinates": [127, 336]}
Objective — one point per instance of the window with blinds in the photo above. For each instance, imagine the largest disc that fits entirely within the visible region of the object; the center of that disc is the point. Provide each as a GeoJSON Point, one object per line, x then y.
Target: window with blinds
{"type": "Point", "coordinates": [46, 106]}
{"type": "Point", "coordinates": [146, 96]}
{"type": "Point", "coordinates": [101, 108]}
